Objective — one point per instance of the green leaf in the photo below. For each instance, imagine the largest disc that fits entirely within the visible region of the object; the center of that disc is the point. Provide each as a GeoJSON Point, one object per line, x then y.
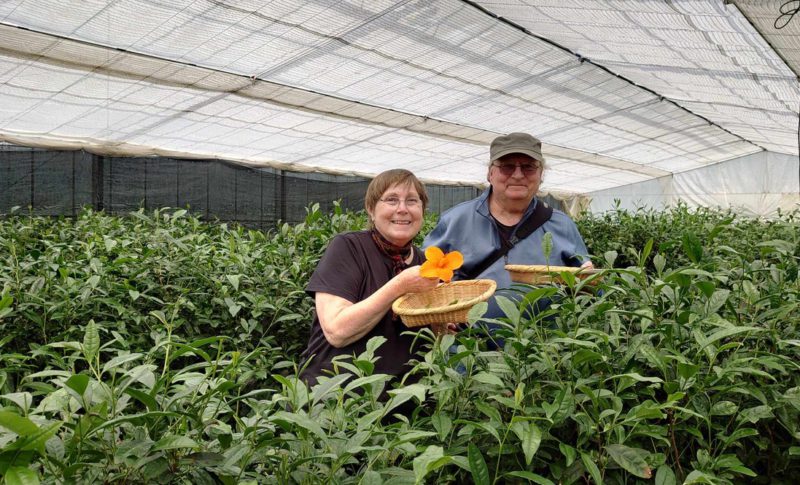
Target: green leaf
{"type": "Point", "coordinates": [366, 381]}
{"type": "Point", "coordinates": [327, 386]}
{"type": "Point", "coordinates": [724, 408]}
{"type": "Point", "coordinates": [530, 436]}
{"type": "Point", "coordinates": [110, 243]}
{"type": "Point", "coordinates": [755, 414]}
{"type": "Point", "coordinates": [11, 458]}
{"type": "Point", "coordinates": [17, 424]}
{"type": "Point", "coordinates": [509, 308]}
{"type": "Point", "coordinates": [659, 262]}
{"type": "Point", "coordinates": [371, 477]}
{"type": "Point", "coordinates": [490, 411]}
{"type": "Point", "coordinates": [706, 287]}
{"type": "Point", "coordinates": [717, 300]}
{"type": "Point", "coordinates": [648, 247]}
{"type": "Point", "coordinates": [698, 477]}
{"type": "Point", "coordinates": [299, 420]}
{"type": "Point", "coordinates": [431, 459]}
{"type": "Point", "coordinates": [119, 360]}
{"type": "Point", "coordinates": [442, 424]}
{"type": "Point", "coordinates": [78, 383]}
{"type": "Point", "coordinates": [665, 476]}
{"type": "Point", "coordinates": [367, 367]}
{"type": "Point", "coordinates": [6, 300]}
{"type": "Point", "coordinates": [91, 341]}
{"type": "Point", "coordinates": [477, 312]}
{"type": "Point", "coordinates": [591, 467]}
{"type": "Point", "coordinates": [233, 307]}
{"type": "Point", "coordinates": [477, 465]}
{"type": "Point", "coordinates": [132, 418]}
{"type": "Point", "coordinates": [692, 246]}
{"type": "Point", "coordinates": [233, 279]}
{"type": "Point", "coordinates": [183, 349]}
{"type": "Point", "coordinates": [637, 377]}
{"type": "Point", "coordinates": [37, 440]}
{"type": "Point", "coordinates": [17, 475]}
{"type": "Point", "coordinates": [530, 476]}
{"type": "Point", "coordinates": [569, 453]}
{"type": "Point", "coordinates": [373, 344]}
{"type": "Point", "coordinates": [174, 442]}
{"type": "Point", "coordinates": [792, 396]}
{"type": "Point", "coordinates": [728, 332]}
{"type": "Point", "coordinates": [93, 281]}
{"type": "Point", "coordinates": [410, 436]}
{"type": "Point", "coordinates": [687, 370]}
{"type": "Point", "coordinates": [572, 341]}
{"type": "Point", "coordinates": [561, 407]}
{"type": "Point", "coordinates": [143, 398]}
{"type": "Point", "coordinates": [22, 399]}
{"type": "Point", "coordinates": [739, 434]}
{"type": "Point", "coordinates": [630, 459]}
{"type": "Point", "coordinates": [418, 391]}
{"type": "Point", "coordinates": [488, 378]}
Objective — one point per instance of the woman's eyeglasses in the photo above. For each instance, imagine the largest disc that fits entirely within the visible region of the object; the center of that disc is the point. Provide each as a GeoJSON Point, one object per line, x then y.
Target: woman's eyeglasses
{"type": "Point", "coordinates": [395, 201]}
{"type": "Point", "coordinates": [508, 169]}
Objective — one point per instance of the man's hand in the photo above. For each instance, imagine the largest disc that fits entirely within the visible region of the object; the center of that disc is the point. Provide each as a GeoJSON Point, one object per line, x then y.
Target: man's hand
{"type": "Point", "coordinates": [444, 328]}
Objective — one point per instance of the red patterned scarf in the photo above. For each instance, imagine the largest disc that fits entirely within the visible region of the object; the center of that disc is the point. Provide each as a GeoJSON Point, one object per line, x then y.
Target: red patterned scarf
{"type": "Point", "coordinates": [398, 254]}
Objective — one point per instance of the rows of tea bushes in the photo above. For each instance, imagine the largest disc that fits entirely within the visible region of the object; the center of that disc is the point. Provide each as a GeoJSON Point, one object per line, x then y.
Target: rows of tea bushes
{"type": "Point", "coordinates": [207, 279]}
{"type": "Point", "coordinates": [681, 366]}
{"type": "Point", "coordinates": [675, 229]}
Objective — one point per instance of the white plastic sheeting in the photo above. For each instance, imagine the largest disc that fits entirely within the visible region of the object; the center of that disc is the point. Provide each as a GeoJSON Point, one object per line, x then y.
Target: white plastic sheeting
{"type": "Point", "coordinates": [756, 185]}
{"type": "Point", "coordinates": [620, 92]}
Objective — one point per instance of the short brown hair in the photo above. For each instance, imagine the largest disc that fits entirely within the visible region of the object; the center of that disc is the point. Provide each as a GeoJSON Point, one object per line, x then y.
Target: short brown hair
{"type": "Point", "coordinates": [395, 176]}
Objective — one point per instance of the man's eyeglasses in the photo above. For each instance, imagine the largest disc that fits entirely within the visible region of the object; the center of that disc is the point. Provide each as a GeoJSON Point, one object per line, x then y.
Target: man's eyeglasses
{"type": "Point", "coordinates": [395, 201]}
{"type": "Point", "coordinates": [508, 169]}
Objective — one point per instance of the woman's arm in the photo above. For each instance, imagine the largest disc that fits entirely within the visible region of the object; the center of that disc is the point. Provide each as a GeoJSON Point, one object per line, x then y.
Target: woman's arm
{"type": "Point", "coordinates": [344, 322]}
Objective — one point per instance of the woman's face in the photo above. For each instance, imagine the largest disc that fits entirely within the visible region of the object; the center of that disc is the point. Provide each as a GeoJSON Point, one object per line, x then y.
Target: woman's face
{"type": "Point", "coordinates": [398, 214]}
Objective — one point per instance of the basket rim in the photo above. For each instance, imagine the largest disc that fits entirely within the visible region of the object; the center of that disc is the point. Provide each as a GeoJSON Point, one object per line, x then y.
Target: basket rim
{"type": "Point", "coordinates": [490, 284]}
{"type": "Point", "coordinates": [548, 269]}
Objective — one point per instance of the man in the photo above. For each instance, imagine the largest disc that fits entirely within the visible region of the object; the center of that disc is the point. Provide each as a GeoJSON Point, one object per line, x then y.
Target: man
{"type": "Point", "coordinates": [497, 218]}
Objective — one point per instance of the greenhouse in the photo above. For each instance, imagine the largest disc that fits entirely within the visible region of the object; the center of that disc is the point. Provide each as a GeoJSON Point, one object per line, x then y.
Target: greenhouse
{"type": "Point", "coordinates": [588, 213]}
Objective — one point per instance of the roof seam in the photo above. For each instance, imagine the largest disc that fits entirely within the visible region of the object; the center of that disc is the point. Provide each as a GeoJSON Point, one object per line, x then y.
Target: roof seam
{"type": "Point", "coordinates": [604, 68]}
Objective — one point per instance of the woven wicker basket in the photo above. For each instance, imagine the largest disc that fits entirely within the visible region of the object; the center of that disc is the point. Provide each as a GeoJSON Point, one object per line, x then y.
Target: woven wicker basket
{"type": "Point", "coordinates": [447, 303]}
{"type": "Point", "coordinates": [539, 274]}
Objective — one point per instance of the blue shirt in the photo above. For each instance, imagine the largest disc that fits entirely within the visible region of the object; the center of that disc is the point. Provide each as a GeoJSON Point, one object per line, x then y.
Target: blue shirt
{"type": "Point", "coordinates": [470, 229]}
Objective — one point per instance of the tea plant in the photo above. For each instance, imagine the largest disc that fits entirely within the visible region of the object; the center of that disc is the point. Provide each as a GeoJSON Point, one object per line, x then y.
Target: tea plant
{"type": "Point", "coordinates": [144, 350]}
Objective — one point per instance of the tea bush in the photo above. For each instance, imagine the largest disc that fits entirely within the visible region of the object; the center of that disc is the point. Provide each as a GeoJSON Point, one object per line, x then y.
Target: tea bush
{"type": "Point", "coordinates": [151, 356]}
{"type": "Point", "coordinates": [57, 274]}
{"type": "Point", "coordinates": [627, 232]}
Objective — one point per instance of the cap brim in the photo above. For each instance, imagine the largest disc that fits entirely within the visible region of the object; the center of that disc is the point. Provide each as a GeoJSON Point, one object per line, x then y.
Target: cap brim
{"type": "Point", "coordinates": [524, 151]}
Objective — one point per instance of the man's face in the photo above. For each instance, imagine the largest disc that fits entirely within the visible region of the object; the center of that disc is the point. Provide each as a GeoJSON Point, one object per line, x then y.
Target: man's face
{"type": "Point", "coordinates": [515, 177]}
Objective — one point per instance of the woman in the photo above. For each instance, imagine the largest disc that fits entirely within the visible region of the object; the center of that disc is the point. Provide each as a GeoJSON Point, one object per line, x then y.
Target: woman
{"type": "Point", "coordinates": [362, 273]}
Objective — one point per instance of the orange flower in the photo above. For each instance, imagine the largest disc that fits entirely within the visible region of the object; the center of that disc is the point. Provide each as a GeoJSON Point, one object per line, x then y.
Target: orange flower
{"type": "Point", "coordinates": [440, 265]}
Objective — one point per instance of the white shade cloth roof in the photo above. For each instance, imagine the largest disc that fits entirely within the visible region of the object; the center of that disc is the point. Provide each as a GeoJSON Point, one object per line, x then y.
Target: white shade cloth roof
{"type": "Point", "coordinates": [619, 91]}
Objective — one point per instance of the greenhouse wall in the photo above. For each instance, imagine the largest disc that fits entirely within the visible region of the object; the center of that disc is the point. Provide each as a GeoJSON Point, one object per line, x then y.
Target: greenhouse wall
{"type": "Point", "coordinates": [62, 182]}
{"type": "Point", "coordinates": [760, 184]}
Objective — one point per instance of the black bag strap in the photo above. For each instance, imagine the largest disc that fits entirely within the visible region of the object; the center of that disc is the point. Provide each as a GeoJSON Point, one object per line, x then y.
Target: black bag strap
{"type": "Point", "coordinates": [541, 214]}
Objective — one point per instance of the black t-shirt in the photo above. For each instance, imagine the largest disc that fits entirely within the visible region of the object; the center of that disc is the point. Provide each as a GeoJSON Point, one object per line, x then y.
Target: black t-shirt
{"type": "Point", "coordinates": [354, 268]}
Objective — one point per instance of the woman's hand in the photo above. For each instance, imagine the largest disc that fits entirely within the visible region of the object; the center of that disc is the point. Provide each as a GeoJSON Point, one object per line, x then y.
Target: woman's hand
{"type": "Point", "coordinates": [587, 264]}
{"type": "Point", "coordinates": [409, 281]}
